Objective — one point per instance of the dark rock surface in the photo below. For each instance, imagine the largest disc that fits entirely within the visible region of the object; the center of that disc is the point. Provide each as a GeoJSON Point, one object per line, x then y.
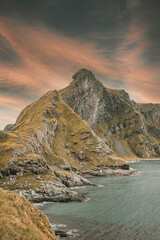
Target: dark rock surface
{"type": "Point", "coordinates": [51, 191]}
{"type": "Point", "coordinates": [112, 115]}
{"type": "Point", "coordinates": [9, 127]}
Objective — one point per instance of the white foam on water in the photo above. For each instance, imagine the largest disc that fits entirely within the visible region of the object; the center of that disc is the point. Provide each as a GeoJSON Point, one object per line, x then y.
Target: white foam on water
{"type": "Point", "coordinates": [73, 232]}
{"type": "Point", "coordinates": [100, 185]}
{"type": "Point", "coordinates": [87, 199]}
{"type": "Point", "coordinates": [78, 187]}
{"type": "Point", "coordinates": [41, 204]}
{"type": "Point", "coordinates": [57, 226]}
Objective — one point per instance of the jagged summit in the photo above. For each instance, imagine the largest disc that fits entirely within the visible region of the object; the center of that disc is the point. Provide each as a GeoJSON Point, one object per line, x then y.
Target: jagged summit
{"type": "Point", "coordinates": [86, 76]}
{"type": "Point", "coordinates": [127, 128]}
{"type": "Point", "coordinates": [82, 128]}
{"type": "Point", "coordinates": [125, 125]}
{"type": "Point", "coordinates": [91, 100]}
{"type": "Point", "coordinates": [84, 81]}
{"type": "Point", "coordinates": [83, 73]}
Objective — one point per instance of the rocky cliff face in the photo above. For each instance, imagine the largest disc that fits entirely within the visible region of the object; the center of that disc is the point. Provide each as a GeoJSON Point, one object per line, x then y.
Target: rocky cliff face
{"type": "Point", "coordinates": [47, 147]}
{"type": "Point", "coordinates": [82, 129]}
{"type": "Point", "coordinates": [128, 128]}
{"type": "Point", "coordinates": [151, 113]}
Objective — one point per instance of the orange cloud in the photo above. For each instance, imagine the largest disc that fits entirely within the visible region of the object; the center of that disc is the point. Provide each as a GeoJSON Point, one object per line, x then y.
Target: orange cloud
{"type": "Point", "coordinates": [48, 59]}
{"type": "Point", "coordinates": [10, 106]}
{"type": "Point", "coordinates": [8, 116]}
{"type": "Point", "coordinates": [133, 3]}
{"type": "Point", "coordinates": [45, 60]}
{"type": "Point", "coordinates": [141, 79]}
{"type": "Point", "coordinates": [13, 103]}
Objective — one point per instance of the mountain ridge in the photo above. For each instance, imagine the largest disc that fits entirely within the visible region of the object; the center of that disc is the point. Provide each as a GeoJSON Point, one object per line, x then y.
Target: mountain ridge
{"type": "Point", "coordinates": [83, 129]}
{"type": "Point", "coordinates": [114, 110]}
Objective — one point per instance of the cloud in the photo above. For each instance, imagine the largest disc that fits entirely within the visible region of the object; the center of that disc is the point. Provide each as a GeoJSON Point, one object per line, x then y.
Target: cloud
{"type": "Point", "coordinates": [47, 59]}
{"type": "Point", "coordinates": [13, 103]}
{"type": "Point", "coordinates": [133, 3]}
{"type": "Point", "coordinates": [140, 77]}
{"type": "Point", "coordinates": [8, 116]}
{"type": "Point", "coordinates": [43, 59]}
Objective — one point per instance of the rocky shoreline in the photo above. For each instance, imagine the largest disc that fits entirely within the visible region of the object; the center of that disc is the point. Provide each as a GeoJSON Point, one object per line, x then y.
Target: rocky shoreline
{"type": "Point", "coordinates": [108, 172]}
{"type": "Point", "coordinates": [143, 160]}
{"type": "Point", "coordinates": [56, 187]}
{"type": "Point", "coordinates": [60, 230]}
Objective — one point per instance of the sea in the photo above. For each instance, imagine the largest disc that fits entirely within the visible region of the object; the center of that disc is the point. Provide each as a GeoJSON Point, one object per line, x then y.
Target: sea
{"type": "Point", "coordinates": [119, 208]}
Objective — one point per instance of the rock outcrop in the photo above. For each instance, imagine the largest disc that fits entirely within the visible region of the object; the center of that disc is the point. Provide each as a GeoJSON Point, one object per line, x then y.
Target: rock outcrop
{"type": "Point", "coordinates": [51, 141]}
{"type": "Point", "coordinates": [9, 127]}
{"type": "Point", "coordinates": [129, 129]}
{"type": "Point", "coordinates": [82, 129]}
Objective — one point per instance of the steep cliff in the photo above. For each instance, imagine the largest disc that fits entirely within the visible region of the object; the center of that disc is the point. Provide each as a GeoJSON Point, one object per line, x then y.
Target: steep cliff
{"type": "Point", "coordinates": [151, 113]}
{"type": "Point", "coordinates": [83, 129]}
{"type": "Point", "coordinates": [47, 147]}
{"type": "Point", "coordinates": [50, 133]}
{"type": "Point", "coordinates": [129, 129]}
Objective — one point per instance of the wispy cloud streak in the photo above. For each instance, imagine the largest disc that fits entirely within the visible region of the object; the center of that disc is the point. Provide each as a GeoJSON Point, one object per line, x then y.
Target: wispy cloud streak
{"type": "Point", "coordinates": [45, 56]}
{"type": "Point", "coordinates": [140, 77]}
{"type": "Point", "coordinates": [45, 60]}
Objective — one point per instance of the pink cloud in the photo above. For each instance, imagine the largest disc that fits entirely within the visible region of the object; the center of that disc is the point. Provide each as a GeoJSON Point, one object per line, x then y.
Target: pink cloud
{"type": "Point", "coordinates": [48, 59]}
{"type": "Point", "coordinates": [133, 3]}
{"type": "Point", "coordinates": [141, 78]}
{"type": "Point", "coordinates": [10, 117]}
{"type": "Point", "coordinates": [13, 103]}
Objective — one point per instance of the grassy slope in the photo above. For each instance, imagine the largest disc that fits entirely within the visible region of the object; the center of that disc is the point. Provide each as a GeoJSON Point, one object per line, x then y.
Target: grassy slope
{"type": "Point", "coordinates": [20, 220]}
{"type": "Point", "coordinates": [7, 143]}
{"type": "Point", "coordinates": [131, 136]}
{"type": "Point", "coordinates": [67, 141]}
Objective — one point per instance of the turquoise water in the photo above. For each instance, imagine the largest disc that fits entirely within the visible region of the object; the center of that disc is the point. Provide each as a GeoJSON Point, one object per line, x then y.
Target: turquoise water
{"type": "Point", "coordinates": [124, 208]}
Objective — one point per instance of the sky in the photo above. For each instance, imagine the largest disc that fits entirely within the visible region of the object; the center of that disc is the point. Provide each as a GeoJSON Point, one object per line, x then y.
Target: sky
{"type": "Point", "coordinates": [44, 42]}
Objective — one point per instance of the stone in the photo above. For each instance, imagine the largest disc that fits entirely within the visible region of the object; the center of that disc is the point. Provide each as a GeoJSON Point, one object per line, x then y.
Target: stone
{"type": "Point", "coordinates": [9, 127]}
{"type": "Point", "coordinates": [63, 233]}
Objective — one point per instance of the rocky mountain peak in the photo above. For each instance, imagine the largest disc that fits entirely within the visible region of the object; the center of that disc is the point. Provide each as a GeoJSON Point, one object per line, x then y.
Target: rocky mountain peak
{"type": "Point", "coordinates": [83, 127]}
{"type": "Point", "coordinates": [84, 81]}
{"type": "Point", "coordinates": [91, 100]}
{"type": "Point", "coordinates": [82, 74]}
{"type": "Point", "coordinates": [111, 112]}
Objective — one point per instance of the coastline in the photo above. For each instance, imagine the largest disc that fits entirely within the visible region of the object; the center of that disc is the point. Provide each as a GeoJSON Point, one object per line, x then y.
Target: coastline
{"type": "Point", "coordinates": [61, 230]}
{"type": "Point", "coordinates": [143, 160]}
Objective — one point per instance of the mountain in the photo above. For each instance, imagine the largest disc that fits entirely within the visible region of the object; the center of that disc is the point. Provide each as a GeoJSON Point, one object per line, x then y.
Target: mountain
{"type": "Point", "coordinates": [21, 220]}
{"type": "Point", "coordinates": [129, 129]}
{"type": "Point", "coordinates": [47, 147]}
{"type": "Point", "coordinates": [84, 129]}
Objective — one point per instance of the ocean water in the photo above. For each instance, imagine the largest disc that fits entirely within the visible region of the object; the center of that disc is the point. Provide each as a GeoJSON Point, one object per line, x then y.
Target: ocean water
{"type": "Point", "coordinates": [123, 208]}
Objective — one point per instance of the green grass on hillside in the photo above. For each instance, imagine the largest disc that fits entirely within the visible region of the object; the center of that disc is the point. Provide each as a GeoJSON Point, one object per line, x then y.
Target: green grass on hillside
{"type": "Point", "coordinates": [20, 220]}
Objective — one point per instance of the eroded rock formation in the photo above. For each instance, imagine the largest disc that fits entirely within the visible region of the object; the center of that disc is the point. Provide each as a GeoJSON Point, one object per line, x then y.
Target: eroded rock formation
{"type": "Point", "coordinates": [84, 129]}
